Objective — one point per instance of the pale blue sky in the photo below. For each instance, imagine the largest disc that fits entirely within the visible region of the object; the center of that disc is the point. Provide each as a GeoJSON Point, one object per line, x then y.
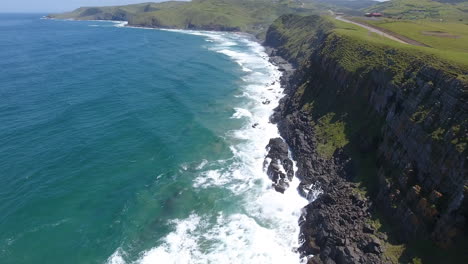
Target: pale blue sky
{"type": "Point", "coordinates": [58, 5]}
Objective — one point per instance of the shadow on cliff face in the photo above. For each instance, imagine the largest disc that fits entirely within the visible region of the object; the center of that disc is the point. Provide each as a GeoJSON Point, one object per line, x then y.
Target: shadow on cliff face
{"type": "Point", "coordinates": [363, 129]}
{"type": "Point", "coordinates": [390, 120]}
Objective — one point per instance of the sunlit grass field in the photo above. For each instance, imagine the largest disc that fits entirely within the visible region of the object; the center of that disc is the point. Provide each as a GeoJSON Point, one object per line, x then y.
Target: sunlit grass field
{"type": "Point", "coordinates": [448, 55]}
{"type": "Point", "coordinates": [438, 35]}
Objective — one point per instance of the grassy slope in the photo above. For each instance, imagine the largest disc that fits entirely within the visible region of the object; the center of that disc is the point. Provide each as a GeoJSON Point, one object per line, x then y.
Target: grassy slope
{"type": "Point", "coordinates": [245, 15]}
{"type": "Point", "coordinates": [420, 30]}
{"type": "Point", "coordinates": [394, 58]}
{"type": "Point", "coordinates": [422, 19]}
{"type": "Point", "coordinates": [294, 35]}
{"type": "Point", "coordinates": [441, 58]}
{"type": "Point", "coordinates": [84, 13]}
{"type": "Point", "coordinates": [299, 34]}
{"type": "Point", "coordinates": [339, 122]}
{"type": "Point", "coordinates": [422, 9]}
{"type": "Point", "coordinates": [355, 50]}
{"type": "Point", "coordinates": [364, 52]}
{"type": "Point", "coordinates": [253, 16]}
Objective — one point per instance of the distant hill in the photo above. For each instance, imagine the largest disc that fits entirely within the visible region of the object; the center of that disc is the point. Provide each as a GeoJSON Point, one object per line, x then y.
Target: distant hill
{"type": "Point", "coordinates": [450, 10]}
{"type": "Point", "coordinates": [350, 4]}
{"type": "Point", "coordinates": [253, 16]}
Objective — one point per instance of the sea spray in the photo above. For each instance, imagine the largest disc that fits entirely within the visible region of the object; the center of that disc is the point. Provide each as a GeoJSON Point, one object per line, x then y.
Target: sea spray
{"type": "Point", "coordinates": [264, 227]}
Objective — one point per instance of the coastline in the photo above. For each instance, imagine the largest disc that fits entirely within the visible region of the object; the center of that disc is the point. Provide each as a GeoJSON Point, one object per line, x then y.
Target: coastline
{"type": "Point", "coordinates": [302, 149]}
{"type": "Point", "coordinates": [341, 208]}
{"type": "Point", "coordinates": [274, 87]}
{"type": "Point", "coordinates": [247, 35]}
{"type": "Point", "coordinates": [307, 189]}
{"type": "Point", "coordinates": [326, 185]}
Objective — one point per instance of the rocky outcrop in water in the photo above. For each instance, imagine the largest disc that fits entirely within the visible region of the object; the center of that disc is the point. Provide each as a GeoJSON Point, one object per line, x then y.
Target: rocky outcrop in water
{"type": "Point", "coordinates": [278, 165]}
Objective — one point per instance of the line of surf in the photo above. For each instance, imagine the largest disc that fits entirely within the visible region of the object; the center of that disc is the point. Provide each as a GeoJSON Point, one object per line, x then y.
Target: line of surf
{"type": "Point", "coordinates": [265, 228]}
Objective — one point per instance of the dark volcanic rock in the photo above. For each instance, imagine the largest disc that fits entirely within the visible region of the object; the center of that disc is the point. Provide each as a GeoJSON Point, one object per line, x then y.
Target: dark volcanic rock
{"type": "Point", "coordinates": [334, 228]}
{"type": "Point", "coordinates": [411, 123]}
{"type": "Point", "coordinates": [279, 166]}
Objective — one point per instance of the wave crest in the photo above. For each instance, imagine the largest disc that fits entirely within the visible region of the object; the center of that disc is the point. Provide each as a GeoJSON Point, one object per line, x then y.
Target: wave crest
{"type": "Point", "coordinates": [264, 226]}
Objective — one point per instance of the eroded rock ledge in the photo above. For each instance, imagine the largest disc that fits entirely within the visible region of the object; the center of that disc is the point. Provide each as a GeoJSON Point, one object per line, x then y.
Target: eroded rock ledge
{"type": "Point", "coordinates": [394, 120]}
{"type": "Point", "coordinates": [334, 228]}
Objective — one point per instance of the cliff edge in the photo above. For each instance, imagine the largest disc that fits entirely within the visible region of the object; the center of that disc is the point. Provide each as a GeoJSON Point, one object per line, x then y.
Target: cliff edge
{"type": "Point", "coordinates": [381, 129]}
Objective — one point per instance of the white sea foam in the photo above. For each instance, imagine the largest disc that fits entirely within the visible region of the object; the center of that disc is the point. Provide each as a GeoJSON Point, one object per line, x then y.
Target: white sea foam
{"type": "Point", "coordinates": [241, 112]}
{"type": "Point", "coordinates": [202, 164]}
{"type": "Point", "coordinates": [116, 258]}
{"type": "Point", "coordinates": [265, 228]}
{"type": "Point", "coordinates": [121, 23]}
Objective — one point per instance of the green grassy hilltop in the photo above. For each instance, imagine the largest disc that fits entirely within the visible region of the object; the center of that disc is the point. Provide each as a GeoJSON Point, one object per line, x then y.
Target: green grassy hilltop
{"type": "Point", "coordinates": [252, 16]}
{"type": "Point", "coordinates": [438, 24]}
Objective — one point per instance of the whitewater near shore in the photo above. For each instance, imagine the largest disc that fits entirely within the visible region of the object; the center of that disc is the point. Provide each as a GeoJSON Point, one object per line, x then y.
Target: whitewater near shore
{"type": "Point", "coordinates": [263, 225]}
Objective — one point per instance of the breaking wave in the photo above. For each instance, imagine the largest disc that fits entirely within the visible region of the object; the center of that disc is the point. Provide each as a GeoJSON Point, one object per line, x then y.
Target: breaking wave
{"type": "Point", "coordinates": [264, 227]}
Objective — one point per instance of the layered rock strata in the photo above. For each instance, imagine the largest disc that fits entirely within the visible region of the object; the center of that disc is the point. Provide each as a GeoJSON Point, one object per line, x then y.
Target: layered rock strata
{"type": "Point", "coordinates": [410, 121]}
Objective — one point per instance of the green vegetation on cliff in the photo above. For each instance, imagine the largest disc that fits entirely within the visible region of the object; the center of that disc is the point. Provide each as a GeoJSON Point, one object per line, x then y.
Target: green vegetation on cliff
{"type": "Point", "coordinates": [253, 16]}
{"type": "Point", "coordinates": [122, 13]}
{"type": "Point", "coordinates": [241, 15]}
{"type": "Point", "coordinates": [387, 106]}
{"type": "Point", "coordinates": [294, 36]}
{"type": "Point", "coordinates": [330, 133]}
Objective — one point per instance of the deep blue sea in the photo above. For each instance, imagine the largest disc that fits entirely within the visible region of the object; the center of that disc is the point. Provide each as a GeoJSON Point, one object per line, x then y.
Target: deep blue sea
{"type": "Point", "coordinates": [125, 145]}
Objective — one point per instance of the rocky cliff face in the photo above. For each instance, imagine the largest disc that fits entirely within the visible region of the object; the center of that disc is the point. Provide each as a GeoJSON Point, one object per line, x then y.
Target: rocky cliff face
{"type": "Point", "coordinates": [396, 128]}
{"type": "Point", "coordinates": [423, 176]}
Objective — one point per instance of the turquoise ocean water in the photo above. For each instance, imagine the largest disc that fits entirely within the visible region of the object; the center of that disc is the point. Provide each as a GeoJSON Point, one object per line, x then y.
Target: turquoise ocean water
{"type": "Point", "coordinates": [125, 145]}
